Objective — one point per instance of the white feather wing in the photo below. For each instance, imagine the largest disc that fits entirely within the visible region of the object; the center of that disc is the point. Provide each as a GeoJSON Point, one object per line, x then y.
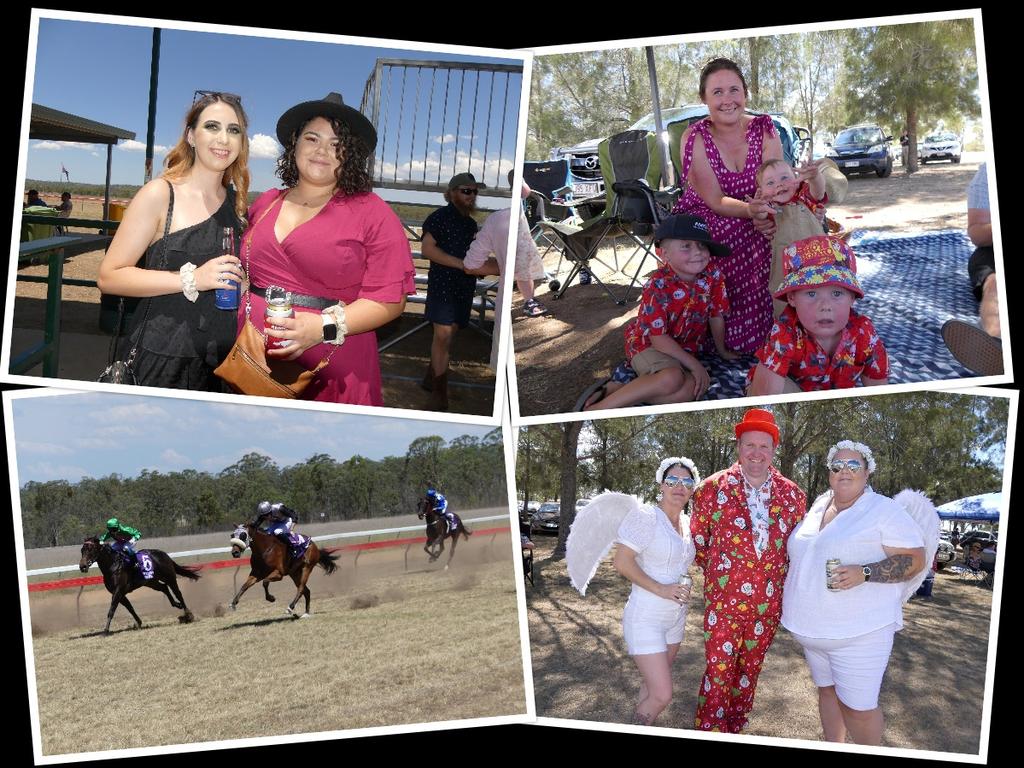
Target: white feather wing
{"type": "Point", "coordinates": [921, 509]}
{"type": "Point", "coordinates": [592, 534]}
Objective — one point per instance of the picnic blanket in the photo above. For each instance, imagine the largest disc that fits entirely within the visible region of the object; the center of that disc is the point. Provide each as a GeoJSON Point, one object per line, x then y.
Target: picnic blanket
{"type": "Point", "coordinates": [912, 285]}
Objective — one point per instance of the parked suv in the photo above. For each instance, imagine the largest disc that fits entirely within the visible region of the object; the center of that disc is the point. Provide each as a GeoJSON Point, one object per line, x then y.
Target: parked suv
{"type": "Point", "coordinates": [585, 167]}
{"type": "Point", "coordinates": [940, 146]}
{"type": "Point", "coordinates": [862, 149]}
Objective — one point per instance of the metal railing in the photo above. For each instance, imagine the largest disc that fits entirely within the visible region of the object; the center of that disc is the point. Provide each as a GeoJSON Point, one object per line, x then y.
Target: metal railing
{"type": "Point", "coordinates": [438, 118]}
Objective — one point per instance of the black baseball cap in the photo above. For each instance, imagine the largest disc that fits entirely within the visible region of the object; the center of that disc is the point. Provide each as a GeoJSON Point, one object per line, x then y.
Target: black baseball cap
{"type": "Point", "coordinates": [684, 227]}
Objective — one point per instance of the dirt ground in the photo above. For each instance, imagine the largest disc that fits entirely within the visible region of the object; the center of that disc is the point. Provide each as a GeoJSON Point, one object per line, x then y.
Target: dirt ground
{"type": "Point", "coordinates": [580, 341]}
{"type": "Point", "coordinates": [359, 660]}
{"type": "Point", "coordinates": [581, 670]}
{"type": "Point", "coordinates": [84, 346]}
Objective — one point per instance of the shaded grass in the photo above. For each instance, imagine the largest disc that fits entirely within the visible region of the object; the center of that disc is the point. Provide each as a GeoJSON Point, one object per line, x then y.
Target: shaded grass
{"type": "Point", "coordinates": [931, 695]}
{"type": "Point", "coordinates": [414, 644]}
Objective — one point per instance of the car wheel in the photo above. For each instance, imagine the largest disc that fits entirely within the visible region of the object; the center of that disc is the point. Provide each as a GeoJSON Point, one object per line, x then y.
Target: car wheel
{"type": "Point", "coordinates": [956, 160]}
{"type": "Point", "coordinates": [885, 172]}
{"type": "Point", "coordinates": [940, 566]}
{"type": "Point", "coordinates": [922, 160]}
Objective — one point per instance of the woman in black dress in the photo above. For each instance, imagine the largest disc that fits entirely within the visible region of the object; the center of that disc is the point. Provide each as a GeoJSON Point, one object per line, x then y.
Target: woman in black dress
{"type": "Point", "coordinates": [177, 223]}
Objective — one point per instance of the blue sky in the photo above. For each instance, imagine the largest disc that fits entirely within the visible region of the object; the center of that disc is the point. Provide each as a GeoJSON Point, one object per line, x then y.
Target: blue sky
{"type": "Point", "coordinates": [270, 75]}
{"type": "Point", "coordinates": [70, 436]}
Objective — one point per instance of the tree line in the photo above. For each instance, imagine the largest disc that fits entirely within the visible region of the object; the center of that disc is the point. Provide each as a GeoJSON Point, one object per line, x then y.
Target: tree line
{"type": "Point", "coordinates": [948, 445]}
{"type": "Point", "coordinates": [470, 471]}
{"type": "Point", "coordinates": [902, 76]}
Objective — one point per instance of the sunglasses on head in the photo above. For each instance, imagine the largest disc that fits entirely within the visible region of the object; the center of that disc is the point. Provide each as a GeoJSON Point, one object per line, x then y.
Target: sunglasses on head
{"type": "Point", "coordinates": [222, 95]}
{"type": "Point", "coordinates": [469, 190]}
{"type": "Point", "coordinates": [675, 482]}
{"type": "Point", "coordinates": [839, 465]}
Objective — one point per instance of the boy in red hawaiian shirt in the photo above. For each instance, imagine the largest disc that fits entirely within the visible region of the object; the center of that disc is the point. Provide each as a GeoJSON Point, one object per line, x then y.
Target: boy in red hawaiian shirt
{"type": "Point", "coordinates": [680, 301]}
{"type": "Point", "coordinates": [819, 342]}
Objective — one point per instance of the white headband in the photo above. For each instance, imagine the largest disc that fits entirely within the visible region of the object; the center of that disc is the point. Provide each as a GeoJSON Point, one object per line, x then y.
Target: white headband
{"type": "Point", "coordinates": [672, 461]}
{"type": "Point", "coordinates": [849, 445]}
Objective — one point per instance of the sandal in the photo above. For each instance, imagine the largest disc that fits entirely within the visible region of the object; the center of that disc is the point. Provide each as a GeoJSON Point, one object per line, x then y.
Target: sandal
{"type": "Point", "coordinates": [594, 389]}
{"type": "Point", "coordinates": [534, 308]}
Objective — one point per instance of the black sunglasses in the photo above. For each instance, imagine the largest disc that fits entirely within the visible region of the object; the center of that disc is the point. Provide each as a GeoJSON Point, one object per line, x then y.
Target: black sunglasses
{"type": "Point", "coordinates": [222, 95]}
{"type": "Point", "coordinates": [469, 190]}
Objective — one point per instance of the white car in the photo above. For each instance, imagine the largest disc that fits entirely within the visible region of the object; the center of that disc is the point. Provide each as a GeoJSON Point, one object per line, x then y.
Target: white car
{"type": "Point", "coordinates": [940, 146]}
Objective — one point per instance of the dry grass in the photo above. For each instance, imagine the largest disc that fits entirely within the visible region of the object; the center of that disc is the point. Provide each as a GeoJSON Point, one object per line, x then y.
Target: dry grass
{"type": "Point", "coordinates": [931, 695]}
{"type": "Point", "coordinates": [382, 647]}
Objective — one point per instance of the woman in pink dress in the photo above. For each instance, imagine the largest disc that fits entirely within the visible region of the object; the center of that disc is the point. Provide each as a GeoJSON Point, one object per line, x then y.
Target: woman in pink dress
{"type": "Point", "coordinates": [335, 245]}
{"type": "Point", "coordinates": [720, 157]}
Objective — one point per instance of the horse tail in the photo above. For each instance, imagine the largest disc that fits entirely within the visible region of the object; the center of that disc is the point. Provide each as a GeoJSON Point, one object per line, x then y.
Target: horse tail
{"type": "Point", "coordinates": [466, 531]}
{"type": "Point", "coordinates": [329, 560]}
{"type": "Point", "coordinates": [188, 571]}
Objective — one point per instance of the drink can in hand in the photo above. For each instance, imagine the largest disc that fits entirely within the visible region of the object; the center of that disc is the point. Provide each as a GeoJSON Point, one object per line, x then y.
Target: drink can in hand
{"type": "Point", "coordinates": [830, 572]}
{"type": "Point", "coordinates": [279, 305]}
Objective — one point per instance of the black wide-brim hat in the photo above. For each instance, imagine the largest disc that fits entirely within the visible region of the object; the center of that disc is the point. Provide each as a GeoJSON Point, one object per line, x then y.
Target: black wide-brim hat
{"type": "Point", "coordinates": [330, 106]}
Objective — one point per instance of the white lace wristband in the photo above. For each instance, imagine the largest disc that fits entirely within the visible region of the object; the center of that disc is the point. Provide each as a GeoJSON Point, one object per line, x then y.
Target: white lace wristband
{"type": "Point", "coordinates": [188, 281]}
{"type": "Point", "coordinates": [336, 315]}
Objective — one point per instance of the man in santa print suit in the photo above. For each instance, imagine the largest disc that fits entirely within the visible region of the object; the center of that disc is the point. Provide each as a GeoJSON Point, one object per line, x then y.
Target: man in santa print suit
{"type": "Point", "coordinates": [741, 521]}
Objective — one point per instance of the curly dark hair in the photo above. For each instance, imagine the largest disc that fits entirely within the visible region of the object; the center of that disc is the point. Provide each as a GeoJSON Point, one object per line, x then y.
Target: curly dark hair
{"type": "Point", "coordinates": [352, 175]}
{"type": "Point", "coordinates": [717, 65]}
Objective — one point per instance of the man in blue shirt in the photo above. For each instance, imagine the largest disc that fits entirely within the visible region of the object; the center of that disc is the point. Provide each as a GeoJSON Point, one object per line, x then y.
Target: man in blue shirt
{"type": "Point", "coordinates": [447, 233]}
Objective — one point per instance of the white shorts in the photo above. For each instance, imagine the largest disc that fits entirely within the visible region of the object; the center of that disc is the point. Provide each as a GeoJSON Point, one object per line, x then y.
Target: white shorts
{"type": "Point", "coordinates": [854, 665]}
{"type": "Point", "coordinates": [650, 627]}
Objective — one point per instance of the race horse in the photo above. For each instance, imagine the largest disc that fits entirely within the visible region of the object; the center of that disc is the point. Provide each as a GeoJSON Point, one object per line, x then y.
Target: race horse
{"type": "Point", "coordinates": [437, 531]}
{"type": "Point", "coordinates": [271, 561]}
{"type": "Point", "coordinates": [121, 576]}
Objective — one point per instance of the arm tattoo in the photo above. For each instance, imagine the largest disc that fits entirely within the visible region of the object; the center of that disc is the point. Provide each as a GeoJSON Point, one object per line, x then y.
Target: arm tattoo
{"type": "Point", "coordinates": [891, 570]}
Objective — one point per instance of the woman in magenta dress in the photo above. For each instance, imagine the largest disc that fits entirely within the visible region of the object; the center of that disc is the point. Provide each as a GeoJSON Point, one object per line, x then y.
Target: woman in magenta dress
{"type": "Point", "coordinates": [335, 245]}
{"type": "Point", "coordinates": [720, 156]}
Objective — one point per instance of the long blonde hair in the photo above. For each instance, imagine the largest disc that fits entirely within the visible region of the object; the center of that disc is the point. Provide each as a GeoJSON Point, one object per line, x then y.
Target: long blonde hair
{"type": "Point", "coordinates": [182, 157]}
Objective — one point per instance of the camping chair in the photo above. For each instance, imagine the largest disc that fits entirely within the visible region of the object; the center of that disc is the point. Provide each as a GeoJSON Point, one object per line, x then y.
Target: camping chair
{"type": "Point", "coordinates": [550, 199]}
{"type": "Point", "coordinates": [631, 167]}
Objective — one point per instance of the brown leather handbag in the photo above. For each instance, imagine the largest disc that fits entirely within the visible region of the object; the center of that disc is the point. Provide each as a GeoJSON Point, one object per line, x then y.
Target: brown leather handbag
{"type": "Point", "coordinates": [246, 369]}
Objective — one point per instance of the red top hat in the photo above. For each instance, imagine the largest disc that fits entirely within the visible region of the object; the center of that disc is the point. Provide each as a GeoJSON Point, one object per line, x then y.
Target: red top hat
{"type": "Point", "coordinates": [758, 420]}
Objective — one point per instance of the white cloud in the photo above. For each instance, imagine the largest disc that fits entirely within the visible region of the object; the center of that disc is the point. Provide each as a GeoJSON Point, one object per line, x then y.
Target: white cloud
{"type": "Point", "coordinates": [58, 145]}
{"type": "Point", "coordinates": [448, 138]}
{"type": "Point", "coordinates": [137, 412]}
{"type": "Point", "coordinates": [131, 145]}
{"type": "Point", "coordinates": [171, 456]}
{"type": "Point", "coordinates": [264, 146]}
{"type": "Point", "coordinates": [97, 443]}
{"type": "Point", "coordinates": [44, 449]}
{"type": "Point", "coordinates": [57, 471]}
{"type": "Point", "coordinates": [495, 167]}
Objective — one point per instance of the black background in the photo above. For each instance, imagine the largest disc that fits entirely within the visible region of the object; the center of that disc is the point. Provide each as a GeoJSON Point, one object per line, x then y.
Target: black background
{"type": "Point", "coordinates": [514, 25]}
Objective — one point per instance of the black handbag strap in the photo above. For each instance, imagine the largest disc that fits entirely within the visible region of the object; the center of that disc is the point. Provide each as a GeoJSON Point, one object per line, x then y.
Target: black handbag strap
{"type": "Point", "coordinates": [163, 263]}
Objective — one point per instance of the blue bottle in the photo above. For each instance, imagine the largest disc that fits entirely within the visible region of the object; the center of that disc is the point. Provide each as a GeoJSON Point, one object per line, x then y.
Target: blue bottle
{"type": "Point", "coordinates": [227, 298]}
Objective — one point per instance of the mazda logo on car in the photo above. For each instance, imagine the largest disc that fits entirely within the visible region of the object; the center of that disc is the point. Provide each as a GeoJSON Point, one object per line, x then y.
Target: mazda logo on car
{"type": "Point", "coordinates": [590, 162]}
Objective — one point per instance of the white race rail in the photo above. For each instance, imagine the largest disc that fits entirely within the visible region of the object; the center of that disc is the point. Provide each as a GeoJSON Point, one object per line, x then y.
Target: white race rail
{"type": "Point", "coordinates": [227, 550]}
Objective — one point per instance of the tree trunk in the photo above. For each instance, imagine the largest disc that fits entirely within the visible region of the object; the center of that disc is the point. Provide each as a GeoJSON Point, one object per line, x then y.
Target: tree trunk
{"type": "Point", "coordinates": [912, 134]}
{"type": "Point", "coordinates": [567, 513]}
{"type": "Point", "coordinates": [526, 478]}
{"type": "Point", "coordinates": [754, 47]}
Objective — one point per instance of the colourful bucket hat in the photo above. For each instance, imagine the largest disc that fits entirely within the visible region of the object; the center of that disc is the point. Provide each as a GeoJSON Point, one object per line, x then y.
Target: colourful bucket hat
{"type": "Point", "coordinates": [818, 261]}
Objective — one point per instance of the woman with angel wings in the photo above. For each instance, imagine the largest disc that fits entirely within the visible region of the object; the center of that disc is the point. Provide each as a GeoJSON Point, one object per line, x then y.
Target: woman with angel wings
{"type": "Point", "coordinates": [655, 551]}
{"type": "Point", "coordinates": [846, 624]}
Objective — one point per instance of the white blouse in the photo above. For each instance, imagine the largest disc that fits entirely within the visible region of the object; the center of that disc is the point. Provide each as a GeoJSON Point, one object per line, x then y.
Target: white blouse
{"type": "Point", "coordinates": [662, 552]}
{"type": "Point", "coordinates": [855, 537]}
